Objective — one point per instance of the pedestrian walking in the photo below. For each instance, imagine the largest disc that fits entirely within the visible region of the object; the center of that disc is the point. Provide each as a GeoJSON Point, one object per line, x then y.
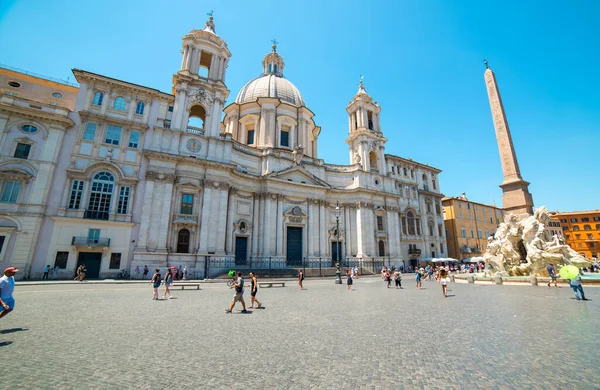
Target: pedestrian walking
{"type": "Point", "coordinates": [253, 291]}
{"type": "Point", "coordinates": [155, 281]}
{"type": "Point", "coordinates": [238, 285]}
{"type": "Point", "coordinates": [356, 272]}
{"type": "Point", "coordinates": [180, 273]}
{"type": "Point", "coordinates": [185, 273]}
{"type": "Point", "coordinates": [46, 272]}
{"type": "Point", "coordinates": [349, 279]}
{"type": "Point", "coordinates": [575, 284]}
{"type": "Point", "coordinates": [300, 279]}
{"type": "Point", "coordinates": [137, 271]}
{"type": "Point", "coordinates": [7, 286]}
{"type": "Point", "coordinates": [444, 281]}
{"type": "Point", "coordinates": [55, 273]}
{"type": "Point", "coordinates": [418, 279]}
{"type": "Point", "coordinates": [77, 272]}
{"type": "Point", "coordinates": [168, 283]}
{"type": "Point", "coordinates": [552, 274]}
{"type": "Point", "coordinates": [398, 278]}
{"type": "Point", "coordinates": [82, 272]}
{"type": "Point", "coordinates": [145, 272]}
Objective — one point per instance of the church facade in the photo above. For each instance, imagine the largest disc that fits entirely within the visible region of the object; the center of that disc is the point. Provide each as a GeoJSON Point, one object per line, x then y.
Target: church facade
{"type": "Point", "coordinates": [144, 177]}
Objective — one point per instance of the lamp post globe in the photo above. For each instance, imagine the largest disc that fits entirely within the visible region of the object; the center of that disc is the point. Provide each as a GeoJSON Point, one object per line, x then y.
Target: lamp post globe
{"type": "Point", "coordinates": [338, 273]}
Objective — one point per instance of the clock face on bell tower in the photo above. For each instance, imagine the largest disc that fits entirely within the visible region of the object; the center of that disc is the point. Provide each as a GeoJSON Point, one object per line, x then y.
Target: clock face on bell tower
{"type": "Point", "coordinates": [193, 145]}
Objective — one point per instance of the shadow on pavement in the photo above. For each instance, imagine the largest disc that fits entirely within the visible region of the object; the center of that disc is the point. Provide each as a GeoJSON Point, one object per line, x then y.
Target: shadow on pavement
{"type": "Point", "coordinates": [12, 330]}
{"type": "Point", "coordinates": [5, 343]}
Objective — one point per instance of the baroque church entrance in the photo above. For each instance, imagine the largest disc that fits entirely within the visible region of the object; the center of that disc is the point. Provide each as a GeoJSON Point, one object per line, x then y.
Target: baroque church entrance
{"type": "Point", "coordinates": [294, 246]}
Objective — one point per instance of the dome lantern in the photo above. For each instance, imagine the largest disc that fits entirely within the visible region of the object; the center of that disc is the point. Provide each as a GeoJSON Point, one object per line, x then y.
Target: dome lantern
{"type": "Point", "coordinates": [273, 62]}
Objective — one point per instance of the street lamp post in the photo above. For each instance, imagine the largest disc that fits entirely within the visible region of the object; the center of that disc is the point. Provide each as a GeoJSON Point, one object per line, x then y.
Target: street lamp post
{"type": "Point", "coordinates": [338, 274]}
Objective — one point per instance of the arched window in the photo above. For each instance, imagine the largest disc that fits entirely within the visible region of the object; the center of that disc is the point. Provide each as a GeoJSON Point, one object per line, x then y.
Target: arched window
{"type": "Point", "coordinates": [428, 205]}
{"type": "Point", "coordinates": [101, 192]}
{"type": "Point", "coordinates": [373, 161]}
{"type": "Point", "coordinates": [381, 248]}
{"type": "Point", "coordinates": [425, 178]}
{"type": "Point", "coordinates": [98, 96]}
{"type": "Point", "coordinates": [183, 241]}
{"type": "Point", "coordinates": [411, 223]}
{"type": "Point", "coordinates": [139, 109]}
{"type": "Point", "coordinates": [120, 103]}
{"type": "Point", "coordinates": [197, 117]}
{"type": "Point", "coordinates": [430, 225]}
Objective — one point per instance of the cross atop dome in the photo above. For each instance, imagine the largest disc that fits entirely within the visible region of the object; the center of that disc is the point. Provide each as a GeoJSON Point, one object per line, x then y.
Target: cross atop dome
{"type": "Point", "coordinates": [273, 62]}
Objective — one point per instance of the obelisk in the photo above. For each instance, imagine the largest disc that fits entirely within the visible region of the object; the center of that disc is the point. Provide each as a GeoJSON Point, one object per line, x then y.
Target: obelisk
{"type": "Point", "coordinates": [516, 198]}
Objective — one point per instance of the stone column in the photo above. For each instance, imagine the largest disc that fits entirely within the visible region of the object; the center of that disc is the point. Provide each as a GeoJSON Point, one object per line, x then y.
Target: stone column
{"type": "Point", "coordinates": [206, 223]}
{"type": "Point", "coordinates": [218, 230]}
{"type": "Point", "coordinates": [230, 222]}
{"type": "Point", "coordinates": [323, 231]}
{"type": "Point", "coordinates": [186, 50]}
{"type": "Point", "coordinates": [146, 216]}
{"type": "Point", "coordinates": [267, 222]}
{"type": "Point", "coordinates": [347, 231]}
{"type": "Point", "coordinates": [279, 228]}
{"type": "Point", "coordinates": [165, 214]}
{"type": "Point", "coordinates": [255, 225]}
{"type": "Point", "coordinates": [190, 57]}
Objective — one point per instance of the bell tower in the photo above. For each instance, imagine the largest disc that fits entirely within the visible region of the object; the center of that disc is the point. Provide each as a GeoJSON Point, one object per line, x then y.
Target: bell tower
{"type": "Point", "coordinates": [365, 140]}
{"type": "Point", "coordinates": [199, 86]}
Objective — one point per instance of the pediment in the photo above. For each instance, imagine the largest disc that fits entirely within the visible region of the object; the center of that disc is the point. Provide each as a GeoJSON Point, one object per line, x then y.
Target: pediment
{"type": "Point", "coordinates": [297, 174]}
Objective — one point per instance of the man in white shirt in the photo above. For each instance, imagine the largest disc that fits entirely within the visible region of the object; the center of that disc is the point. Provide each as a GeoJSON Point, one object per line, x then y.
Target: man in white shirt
{"type": "Point", "coordinates": [7, 286]}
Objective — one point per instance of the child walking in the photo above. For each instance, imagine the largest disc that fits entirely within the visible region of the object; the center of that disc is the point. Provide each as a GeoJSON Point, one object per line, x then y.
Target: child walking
{"type": "Point", "coordinates": [349, 279]}
{"type": "Point", "coordinates": [155, 281]}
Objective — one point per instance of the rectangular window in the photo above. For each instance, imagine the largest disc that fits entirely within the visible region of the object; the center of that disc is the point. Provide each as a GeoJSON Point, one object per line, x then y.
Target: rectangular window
{"type": "Point", "coordinates": [463, 233]}
{"type": "Point", "coordinates": [90, 131]}
{"type": "Point", "coordinates": [250, 137]}
{"type": "Point", "coordinates": [487, 234]}
{"type": "Point", "coordinates": [22, 151]}
{"type": "Point", "coordinates": [187, 204]}
{"type": "Point", "coordinates": [285, 136]}
{"type": "Point", "coordinates": [123, 203]}
{"type": "Point", "coordinates": [441, 248]}
{"type": "Point", "coordinates": [379, 222]}
{"type": "Point", "coordinates": [418, 223]}
{"type": "Point", "coordinates": [134, 139]}
{"type": "Point", "coordinates": [469, 215]}
{"type": "Point", "coordinates": [460, 215]}
{"type": "Point", "coordinates": [459, 205]}
{"type": "Point", "coordinates": [76, 194]}
{"type": "Point", "coordinates": [573, 219]}
{"type": "Point", "coordinates": [170, 108]}
{"type": "Point", "coordinates": [10, 192]}
{"type": "Point", "coordinates": [479, 234]}
{"type": "Point", "coordinates": [94, 235]}
{"type": "Point", "coordinates": [439, 230]}
{"type": "Point", "coordinates": [61, 260]}
{"type": "Point", "coordinates": [113, 135]}
{"type": "Point", "coordinates": [469, 206]}
{"type": "Point", "coordinates": [585, 220]}
{"type": "Point", "coordinates": [115, 261]}
{"type": "Point", "coordinates": [404, 231]}
{"type": "Point", "coordinates": [597, 219]}
{"type": "Point", "coordinates": [472, 234]}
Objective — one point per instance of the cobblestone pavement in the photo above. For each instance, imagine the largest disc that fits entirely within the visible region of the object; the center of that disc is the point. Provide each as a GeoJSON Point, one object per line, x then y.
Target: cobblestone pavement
{"type": "Point", "coordinates": [116, 337]}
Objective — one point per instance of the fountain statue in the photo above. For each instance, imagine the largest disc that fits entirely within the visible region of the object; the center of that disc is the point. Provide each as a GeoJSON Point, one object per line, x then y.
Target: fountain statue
{"type": "Point", "coordinates": [523, 246]}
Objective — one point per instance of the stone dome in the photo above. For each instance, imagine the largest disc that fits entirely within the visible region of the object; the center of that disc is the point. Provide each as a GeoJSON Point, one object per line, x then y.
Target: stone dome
{"type": "Point", "coordinates": [272, 86]}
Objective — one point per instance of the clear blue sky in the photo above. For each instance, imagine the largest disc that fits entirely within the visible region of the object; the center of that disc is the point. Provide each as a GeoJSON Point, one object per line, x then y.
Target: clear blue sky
{"type": "Point", "coordinates": [422, 61]}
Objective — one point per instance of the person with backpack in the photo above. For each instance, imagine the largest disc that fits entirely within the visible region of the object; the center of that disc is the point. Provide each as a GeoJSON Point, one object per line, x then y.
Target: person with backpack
{"type": "Point", "coordinates": [155, 281]}
{"type": "Point", "coordinates": [238, 284]}
{"type": "Point", "coordinates": [168, 283]}
{"type": "Point", "coordinates": [398, 278]}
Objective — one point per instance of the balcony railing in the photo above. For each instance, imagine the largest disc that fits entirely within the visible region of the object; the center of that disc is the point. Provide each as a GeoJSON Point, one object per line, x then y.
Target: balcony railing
{"type": "Point", "coordinates": [86, 241]}
{"type": "Point", "coordinates": [414, 251]}
{"type": "Point", "coordinates": [195, 130]}
{"type": "Point", "coordinates": [94, 214]}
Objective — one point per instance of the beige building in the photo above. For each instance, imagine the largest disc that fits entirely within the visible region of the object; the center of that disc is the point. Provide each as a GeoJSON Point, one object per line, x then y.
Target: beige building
{"type": "Point", "coordinates": [34, 120]}
{"type": "Point", "coordinates": [468, 225]}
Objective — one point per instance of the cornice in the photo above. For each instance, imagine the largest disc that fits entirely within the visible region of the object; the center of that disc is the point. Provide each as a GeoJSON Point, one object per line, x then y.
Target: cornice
{"type": "Point", "coordinates": [37, 115]}
{"type": "Point", "coordinates": [127, 122]}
